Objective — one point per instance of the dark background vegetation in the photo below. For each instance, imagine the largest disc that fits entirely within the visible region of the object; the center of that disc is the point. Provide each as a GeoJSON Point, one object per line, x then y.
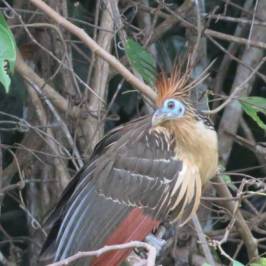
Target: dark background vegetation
{"type": "Point", "coordinates": [44, 142]}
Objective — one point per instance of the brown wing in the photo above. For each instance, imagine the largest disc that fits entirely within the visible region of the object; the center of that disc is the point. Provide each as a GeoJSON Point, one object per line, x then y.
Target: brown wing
{"type": "Point", "coordinates": [133, 166]}
{"type": "Point", "coordinates": [140, 172]}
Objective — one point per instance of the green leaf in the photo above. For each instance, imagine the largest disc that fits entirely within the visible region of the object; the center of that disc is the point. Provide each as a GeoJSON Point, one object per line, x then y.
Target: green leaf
{"type": "Point", "coordinates": [237, 263]}
{"type": "Point", "coordinates": [256, 102]}
{"type": "Point", "coordinates": [259, 262]}
{"type": "Point", "coordinates": [141, 61]}
{"type": "Point", "coordinates": [252, 111]}
{"type": "Point", "coordinates": [7, 53]}
{"type": "Point", "coordinates": [252, 106]}
{"type": "Point", "coordinates": [228, 181]}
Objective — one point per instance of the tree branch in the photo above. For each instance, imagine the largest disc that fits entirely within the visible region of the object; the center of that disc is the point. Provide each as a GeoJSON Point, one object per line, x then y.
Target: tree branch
{"type": "Point", "coordinates": [42, 117]}
{"type": "Point", "coordinates": [95, 48]}
{"type": "Point", "coordinates": [203, 241]}
{"type": "Point", "coordinates": [233, 111]}
{"type": "Point", "coordinates": [251, 243]}
{"type": "Point", "coordinates": [94, 130]}
{"type": "Point", "coordinates": [26, 72]}
{"type": "Point", "coordinates": [133, 244]}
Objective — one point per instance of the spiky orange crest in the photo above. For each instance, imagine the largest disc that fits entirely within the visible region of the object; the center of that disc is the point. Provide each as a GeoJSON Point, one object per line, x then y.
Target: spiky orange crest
{"type": "Point", "coordinates": [175, 86]}
{"type": "Point", "coordinates": [179, 84]}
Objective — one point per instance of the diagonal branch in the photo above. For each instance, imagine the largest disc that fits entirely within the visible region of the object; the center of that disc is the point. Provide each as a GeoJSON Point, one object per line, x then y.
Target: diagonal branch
{"type": "Point", "coordinates": [95, 48]}
{"type": "Point", "coordinates": [233, 111]}
{"type": "Point", "coordinates": [94, 129]}
{"type": "Point", "coordinates": [42, 116]}
{"type": "Point", "coordinates": [250, 241]}
{"type": "Point", "coordinates": [133, 244]}
{"type": "Point", "coordinates": [59, 101]}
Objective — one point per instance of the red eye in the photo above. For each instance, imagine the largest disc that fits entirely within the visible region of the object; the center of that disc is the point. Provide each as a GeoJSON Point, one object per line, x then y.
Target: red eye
{"type": "Point", "coordinates": [171, 105]}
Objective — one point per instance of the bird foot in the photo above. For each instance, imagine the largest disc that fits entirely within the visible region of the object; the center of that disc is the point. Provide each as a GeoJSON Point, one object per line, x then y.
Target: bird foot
{"type": "Point", "coordinates": [156, 242]}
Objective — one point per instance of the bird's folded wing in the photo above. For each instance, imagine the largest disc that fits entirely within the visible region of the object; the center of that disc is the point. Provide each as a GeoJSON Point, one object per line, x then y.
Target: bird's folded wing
{"type": "Point", "coordinates": [133, 166]}
{"type": "Point", "coordinates": [138, 166]}
{"type": "Point", "coordinates": [143, 170]}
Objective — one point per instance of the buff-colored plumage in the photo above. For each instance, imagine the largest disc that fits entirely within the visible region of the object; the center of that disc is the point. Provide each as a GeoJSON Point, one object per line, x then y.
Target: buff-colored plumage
{"type": "Point", "coordinates": [196, 143]}
{"type": "Point", "coordinates": [178, 85]}
{"type": "Point", "coordinates": [139, 174]}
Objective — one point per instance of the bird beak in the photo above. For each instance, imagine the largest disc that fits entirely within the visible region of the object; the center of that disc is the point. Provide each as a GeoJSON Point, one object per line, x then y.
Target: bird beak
{"type": "Point", "coordinates": [159, 116]}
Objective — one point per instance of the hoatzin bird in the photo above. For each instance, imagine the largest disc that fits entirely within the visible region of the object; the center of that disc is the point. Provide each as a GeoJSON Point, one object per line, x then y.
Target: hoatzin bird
{"type": "Point", "coordinates": [149, 170]}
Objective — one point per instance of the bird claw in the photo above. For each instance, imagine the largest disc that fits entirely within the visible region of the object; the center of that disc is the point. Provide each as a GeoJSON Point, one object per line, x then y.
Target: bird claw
{"type": "Point", "coordinates": [156, 242]}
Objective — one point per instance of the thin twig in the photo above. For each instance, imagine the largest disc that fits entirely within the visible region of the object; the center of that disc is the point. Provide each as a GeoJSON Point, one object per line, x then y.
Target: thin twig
{"type": "Point", "coordinates": [199, 34]}
{"type": "Point", "coordinates": [53, 95]}
{"type": "Point", "coordinates": [241, 20]}
{"type": "Point", "coordinates": [203, 241]}
{"type": "Point", "coordinates": [216, 34]}
{"type": "Point", "coordinates": [252, 23]}
{"type": "Point", "coordinates": [133, 244]}
{"type": "Point", "coordinates": [89, 42]}
{"type": "Point", "coordinates": [237, 89]}
{"type": "Point", "coordinates": [250, 241]}
{"type": "Point", "coordinates": [94, 128]}
{"type": "Point", "coordinates": [64, 127]}
{"type": "Point", "coordinates": [42, 117]}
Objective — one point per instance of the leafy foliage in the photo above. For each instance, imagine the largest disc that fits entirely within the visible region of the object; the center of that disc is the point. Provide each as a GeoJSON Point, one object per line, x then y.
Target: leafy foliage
{"type": "Point", "coordinates": [7, 53]}
{"type": "Point", "coordinates": [252, 106]}
{"type": "Point", "coordinates": [260, 262]}
{"type": "Point", "coordinates": [42, 178]}
{"type": "Point", "coordinates": [141, 61]}
{"type": "Point", "coordinates": [237, 263]}
{"type": "Point", "coordinates": [228, 180]}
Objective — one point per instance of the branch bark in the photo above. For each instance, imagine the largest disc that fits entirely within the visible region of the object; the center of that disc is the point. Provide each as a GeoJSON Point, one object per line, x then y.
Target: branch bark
{"type": "Point", "coordinates": [60, 102]}
{"type": "Point", "coordinates": [133, 244]}
{"type": "Point", "coordinates": [250, 241]}
{"type": "Point", "coordinates": [93, 130]}
{"type": "Point", "coordinates": [233, 112]}
{"type": "Point", "coordinates": [61, 167]}
{"type": "Point", "coordinates": [232, 49]}
{"type": "Point", "coordinates": [95, 48]}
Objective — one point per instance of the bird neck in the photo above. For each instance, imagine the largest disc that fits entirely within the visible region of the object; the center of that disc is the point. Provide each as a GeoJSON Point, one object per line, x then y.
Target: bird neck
{"type": "Point", "coordinates": [198, 144]}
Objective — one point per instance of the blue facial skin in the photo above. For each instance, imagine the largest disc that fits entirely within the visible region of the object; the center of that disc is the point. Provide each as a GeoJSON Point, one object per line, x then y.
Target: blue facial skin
{"type": "Point", "coordinates": [171, 109]}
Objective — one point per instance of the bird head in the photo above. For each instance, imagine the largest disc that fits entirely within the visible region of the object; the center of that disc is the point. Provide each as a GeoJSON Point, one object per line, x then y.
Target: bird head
{"type": "Point", "coordinates": [171, 109]}
{"type": "Point", "coordinates": [173, 100]}
{"type": "Point", "coordinates": [195, 136]}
